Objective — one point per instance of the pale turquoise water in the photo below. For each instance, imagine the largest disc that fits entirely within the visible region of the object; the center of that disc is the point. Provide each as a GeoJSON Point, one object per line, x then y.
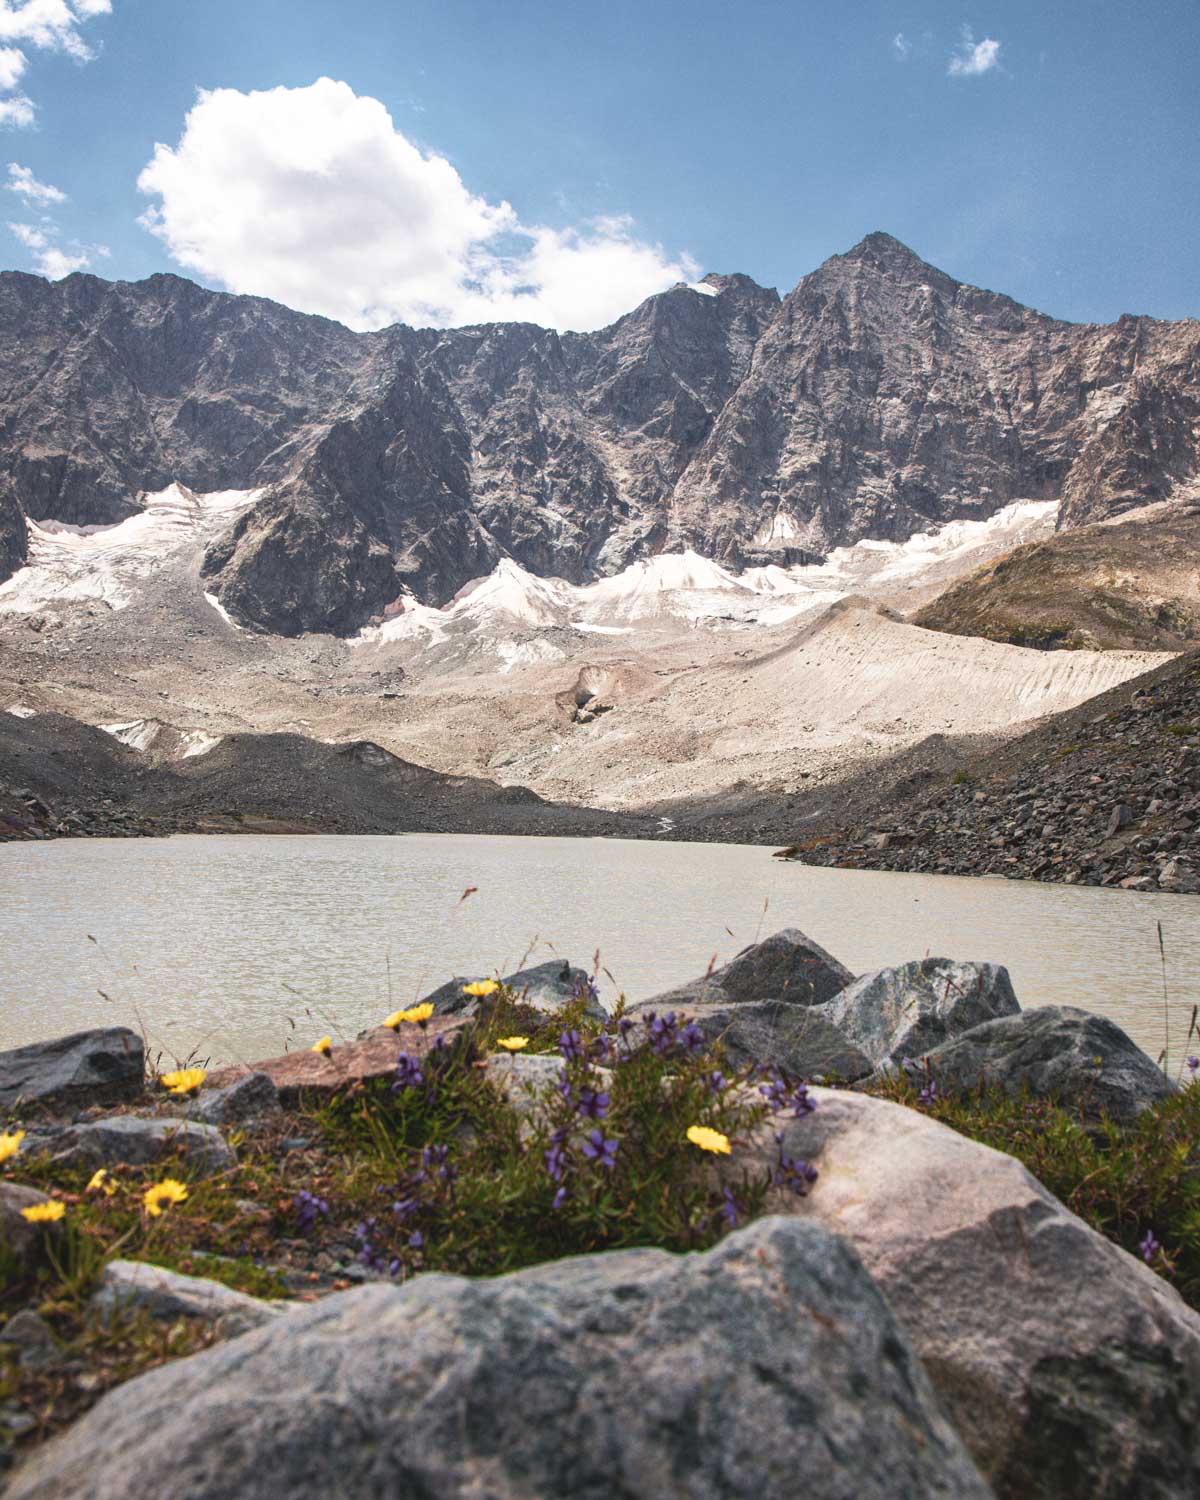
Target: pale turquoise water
{"type": "Point", "coordinates": [239, 946]}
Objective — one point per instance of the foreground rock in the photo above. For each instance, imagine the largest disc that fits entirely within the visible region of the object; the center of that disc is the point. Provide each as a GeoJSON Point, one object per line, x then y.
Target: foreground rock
{"type": "Point", "coordinates": [787, 966]}
{"type": "Point", "coordinates": [1070, 1369]}
{"type": "Point", "coordinates": [133, 1286]}
{"type": "Point", "coordinates": [767, 1364]}
{"type": "Point", "coordinates": [133, 1141]}
{"type": "Point", "coordinates": [74, 1072]}
{"type": "Point", "coordinates": [299, 1074]}
{"type": "Point", "coordinates": [904, 1012]}
{"type": "Point", "coordinates": [1056, 1051]}
{"type": "Point", "coordinates": [547, 986]}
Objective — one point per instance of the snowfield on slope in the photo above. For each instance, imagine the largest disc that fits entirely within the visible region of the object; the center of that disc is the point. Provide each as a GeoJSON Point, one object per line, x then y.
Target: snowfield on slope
{"type": "Point", "coordinates": [106, 564]}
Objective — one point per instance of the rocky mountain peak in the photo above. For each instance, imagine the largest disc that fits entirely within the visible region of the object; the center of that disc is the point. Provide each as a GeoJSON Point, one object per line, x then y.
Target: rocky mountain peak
{"type": "Point", "coordinates": [881, 397]}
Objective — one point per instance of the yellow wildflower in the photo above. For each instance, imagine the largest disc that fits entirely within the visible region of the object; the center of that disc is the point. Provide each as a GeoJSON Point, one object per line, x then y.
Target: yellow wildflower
{"type": "Point", "coordinates": [512, 1043]}
{"type": "Point", "coordinates": [324, 1046]}
{"type": "Point", "coordinates": [417, 1013]}
{"type": "Point", "coordinates": [10, 1144]}
{"type": "Point", "coordinates": [163, 1195]}
{"type": "Point", "coordinates": [43, 1213]}
{"type": "Point", "coordinates": [102, 1183]}
{"type": "Point", "coordinates": [481, 987]}
{"type": "Point", "coordinates": [184, 1080]}
{"type": "Point", "coordinates": [708, 1140]}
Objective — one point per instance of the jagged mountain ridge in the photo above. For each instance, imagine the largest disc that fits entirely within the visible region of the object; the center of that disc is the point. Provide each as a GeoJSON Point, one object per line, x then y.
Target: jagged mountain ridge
{"type": "Point", "coordinates": [879, 398]}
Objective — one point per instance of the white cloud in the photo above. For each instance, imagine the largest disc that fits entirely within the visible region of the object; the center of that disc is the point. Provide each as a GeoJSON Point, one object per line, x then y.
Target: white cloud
{"type": "Point", "coordinates": [24, 182]}
{"type": "Point", "coordinates": [56, 263]}
{"type": "Point", "coordinates": [53, 24]}
{"type": "Point", "coordinates": [313, 197]}
{"type": "Point", "coordinates": [48, 24]}
{"type": "Point", "coordinates": [49, 257]}
{"type": "Point", "coordinates": [16, 111]}
{"type": "Point", "coordinates": [13, 63]}
{"type": "Point", "coordinates": [901, 47]}
{"type": "Point", "coordinates": [974, 58]}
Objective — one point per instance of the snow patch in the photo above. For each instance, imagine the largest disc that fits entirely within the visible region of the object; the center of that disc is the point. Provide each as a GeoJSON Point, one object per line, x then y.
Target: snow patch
{"type": "Point", "coordinates": [197, 742]}
{"type": "Point", "coordinates": [138, 734]}
{"type": "Point", "coordinates": [221, 610]}
{"type": "Point", "coordinates": [703, 288]}
{"type": "Point", "coordinates": [21, 711]}
{"type": "Point", "coordinates": [109, 564]}
{"type": "Point", "coordinates": [526, 654]}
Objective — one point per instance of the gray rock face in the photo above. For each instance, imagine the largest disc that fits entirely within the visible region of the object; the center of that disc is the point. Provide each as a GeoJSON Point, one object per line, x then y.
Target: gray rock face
{"type": "Point", "coordinates": [881, 397]}
{"type": "Point", "coordinates": [131, 1285]}
{"type": "Point", "coordinates": [547, 986]}
{"type": "Point", "coordinates": [252, 1097]}
{"type": "Point", "coordinates": [772, 1033]}
{"type": "Point", "coordinates": [1055, 1050]}
{"type": "Point", "coordinates": [72, 1072]}
{"type": "Point", "coordinates": [1071, 1370]}
{"type": "Point", "coordinates": [904, 1012]}
{"type": "Point", "coordinates": [130, 1140]}
{"type": "Point", "coordinates": [636, 1373]}
{"type": "Point", "coordinates": [787, 966]}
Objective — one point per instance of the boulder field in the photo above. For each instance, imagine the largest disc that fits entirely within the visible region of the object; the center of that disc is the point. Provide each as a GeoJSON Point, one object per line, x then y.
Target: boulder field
{"type": "Point", "coordinates": [927, 1320]}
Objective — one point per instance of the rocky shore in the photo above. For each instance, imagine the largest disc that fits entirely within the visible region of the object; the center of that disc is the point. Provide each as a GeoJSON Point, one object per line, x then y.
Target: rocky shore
{"type": "Point", "coordinates": [1108, 794]}
{"type": "Point", "coordinates": [296, 1276]}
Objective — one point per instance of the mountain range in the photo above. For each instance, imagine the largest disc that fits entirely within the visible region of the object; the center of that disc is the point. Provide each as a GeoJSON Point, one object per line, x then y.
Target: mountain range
{"type": "Point", "coordinates": [878, 399]}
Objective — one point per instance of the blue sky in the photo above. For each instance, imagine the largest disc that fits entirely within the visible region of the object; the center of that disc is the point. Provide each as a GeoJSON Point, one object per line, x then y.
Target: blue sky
{"type": "Point", "coordinates": [557, 161]}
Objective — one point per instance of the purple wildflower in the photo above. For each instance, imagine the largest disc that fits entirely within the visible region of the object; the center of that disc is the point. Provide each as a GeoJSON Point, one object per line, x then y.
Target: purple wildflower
{"type": "Point", "coordinates": [601, 1047]}
{"type": "Point", "coordinates": [928, 1094]}
{"type": "Point", "coordinates": [368, 1255]}
{"type": "Point", "coordinates": [570, 1044]}
{"type": "Point", "coordinates": [309, 1208]}
{"type": "Point", "coordinates": [662, 1032]}
{"type": "Point", "coordinates": [434, 1159]}
{"type": "Point", "coordinates": [404, 1208]}
{"type": "Point", "coordinates": [556, 1157]}
{"type": "Point", "coordinates": [559, 1198]}
{"type": "Point", "coordinates": [625, 1025]}
{"type": "Point", "coordinates": [1149, 1247]}
{"type": "Point", "coordinates": [416, 1240]}
{"type": "Point", "coordinates": [1193, 1063]}
{"type": "Point", "coordinates": [730, 1207]}
{"type": "Point", "coordinates": [795, 1174]}
{"type": "Point", "coordinates": [564, 1087]}
{"type": "Point", "coordinates": [593, 1104]}
{"type": "Point", "coordinates": [408, 1073]}
{"type": "Point", "coordinates": [599, 1150]}
{"type": "Point", "coordinates": [692, 1037]}
{"type": "Point", "coordinates": [717, 1083]}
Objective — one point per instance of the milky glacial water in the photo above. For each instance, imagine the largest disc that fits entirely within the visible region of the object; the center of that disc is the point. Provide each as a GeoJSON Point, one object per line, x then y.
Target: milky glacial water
{"type": "Point", "coordinates": [243, 947]}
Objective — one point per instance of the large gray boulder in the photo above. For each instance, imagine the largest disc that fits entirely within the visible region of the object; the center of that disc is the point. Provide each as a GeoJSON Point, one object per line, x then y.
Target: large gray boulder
{"type": "Point", "coordinates": [547, 986]}
{"type": "Point", "coordinates": [133, 1141]}
{"type": "Point", "coordinates": [1056, 1051]}
{"type": "Point", "coordinates": [1071, 1370]}
{"type": "Point", "coordinates": [787, 966]}
{"type": "Point", "coordinates": [135, 1286]}
{"type": "Point", "coordinates": [774, 1033]}
{"type": "Point", "coordinates": [73, 1072]}
{"type": "Point", "coordinates": [767, 1366]}
{"type": "Point", "coordinates": [904, 1012]}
